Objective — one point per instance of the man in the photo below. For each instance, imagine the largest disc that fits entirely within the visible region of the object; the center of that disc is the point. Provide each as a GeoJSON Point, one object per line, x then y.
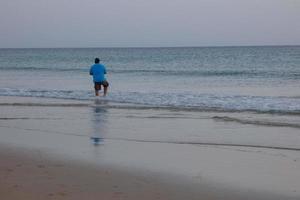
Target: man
{"type": "Point", "coordinates": [98, 72]}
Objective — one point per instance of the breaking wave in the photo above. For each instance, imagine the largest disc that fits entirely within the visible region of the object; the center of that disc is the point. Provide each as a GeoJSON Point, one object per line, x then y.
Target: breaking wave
{"type": "Point", "coordinates": [173, 101]}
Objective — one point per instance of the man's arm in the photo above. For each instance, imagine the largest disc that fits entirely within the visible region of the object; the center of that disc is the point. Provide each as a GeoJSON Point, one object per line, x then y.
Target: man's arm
{"type": "Point", "coordinates": [91, 71]}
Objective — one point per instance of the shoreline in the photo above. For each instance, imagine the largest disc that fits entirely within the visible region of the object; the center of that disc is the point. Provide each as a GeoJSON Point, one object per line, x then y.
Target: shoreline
{"type": "Point", "coordinates": [46, 152]}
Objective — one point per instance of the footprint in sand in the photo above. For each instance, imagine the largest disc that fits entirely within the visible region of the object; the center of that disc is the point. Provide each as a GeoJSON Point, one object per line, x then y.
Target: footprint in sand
{"type": "Point", "coordinates": [41, 166]}
{"type": "Point", "coordinates": [62, 194]}
{"type": "Point", "coordinates": [9, 170]}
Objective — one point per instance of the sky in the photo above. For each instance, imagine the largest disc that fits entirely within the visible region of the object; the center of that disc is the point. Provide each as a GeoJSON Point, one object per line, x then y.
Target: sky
{"type": "Point", "coordinates": [148, 23]}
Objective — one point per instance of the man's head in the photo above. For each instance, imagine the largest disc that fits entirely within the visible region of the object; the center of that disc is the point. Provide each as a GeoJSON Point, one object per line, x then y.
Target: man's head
{"type": "Point", "coordinates": [97, 60]}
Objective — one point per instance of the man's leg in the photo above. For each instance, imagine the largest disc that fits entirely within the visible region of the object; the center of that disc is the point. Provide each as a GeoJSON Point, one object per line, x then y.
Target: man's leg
{"type": "Point", "coordinates": [105, 90]}
{"type": "Point", "coordinates": [105, 85]}
{"type": "Point", "coordinates": [97, 88]}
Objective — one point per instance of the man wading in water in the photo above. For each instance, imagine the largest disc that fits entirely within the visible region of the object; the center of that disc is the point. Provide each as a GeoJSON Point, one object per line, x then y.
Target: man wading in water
{"type": "Point", "coordinates": [98, 72]}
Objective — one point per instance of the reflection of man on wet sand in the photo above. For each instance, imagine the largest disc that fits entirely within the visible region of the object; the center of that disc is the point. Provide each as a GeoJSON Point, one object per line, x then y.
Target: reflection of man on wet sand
{"type": "Point", "coordinates": [99, 125]}
{"type": "Point", "coordinates": [98, 72]}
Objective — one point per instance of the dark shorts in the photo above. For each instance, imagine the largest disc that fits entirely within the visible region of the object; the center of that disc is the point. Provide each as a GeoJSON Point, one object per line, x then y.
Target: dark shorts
{"type": "Point", "coordinates": [98, 85]}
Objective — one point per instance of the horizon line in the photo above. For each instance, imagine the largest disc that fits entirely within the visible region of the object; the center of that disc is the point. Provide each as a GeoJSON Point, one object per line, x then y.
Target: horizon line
{"type": "Point", "coordinates": [141, 47]}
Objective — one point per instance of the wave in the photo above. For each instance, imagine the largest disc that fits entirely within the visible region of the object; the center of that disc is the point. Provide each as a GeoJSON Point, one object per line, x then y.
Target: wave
{"type": "Point", "coordinates": [257, 122]}
{"type": "Point", "coordinates": [210, 144]}
{"type": "Point", "coordinates": [215, 73]}
{"type": "Point", "coordinates": [172, 101]}
{"type": "Point", "coordinates": [190, 72]}
{"type": "Point", "coordinates": [141, 71]}
{"type": "Point", "coordinates": [168, 72]}
{"type": "Point", "coordinates": [57, 69]}
{"type": "Point", "coordinates": [199, 109]}
{"type": "Point", "coordinates": [27, 118]}
{"type": "Point", "coordinates": [58, 94]}
{"type": "Point", "coordinates": [46, 105]}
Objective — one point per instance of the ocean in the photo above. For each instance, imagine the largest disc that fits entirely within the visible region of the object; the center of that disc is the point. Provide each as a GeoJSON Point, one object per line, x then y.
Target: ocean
{"type": "Point", "coordinates": [233, 79]}
{"type": "Point", "coordinates": [235, 95]}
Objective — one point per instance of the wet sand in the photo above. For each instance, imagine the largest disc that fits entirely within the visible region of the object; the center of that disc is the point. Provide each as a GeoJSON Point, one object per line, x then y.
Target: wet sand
{"type": "Point", "coordinates": [46, 153]}
{"type": "Point", "coordinates": [29, 174]}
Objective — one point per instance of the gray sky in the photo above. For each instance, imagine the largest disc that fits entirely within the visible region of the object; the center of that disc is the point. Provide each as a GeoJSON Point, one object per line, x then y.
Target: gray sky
{"type": "Point", "coordinates": [135, 23]}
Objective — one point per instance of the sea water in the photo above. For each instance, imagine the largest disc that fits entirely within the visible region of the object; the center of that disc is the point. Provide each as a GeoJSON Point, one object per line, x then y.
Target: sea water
{"type": "Point", "coordinates": [259, 79]}
{"type": "Point", "coordinates": [252, 87]}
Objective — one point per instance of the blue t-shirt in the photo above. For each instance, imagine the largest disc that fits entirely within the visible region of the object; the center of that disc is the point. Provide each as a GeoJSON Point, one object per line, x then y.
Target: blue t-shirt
{"type": "Point", "coordinates": [98, 71]}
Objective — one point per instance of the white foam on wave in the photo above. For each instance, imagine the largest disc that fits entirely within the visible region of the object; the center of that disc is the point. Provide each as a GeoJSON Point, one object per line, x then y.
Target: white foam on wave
{"type": "Point", "coordinates": [175, 100]}
{"type": "Point", "coordinates": [59, 94]}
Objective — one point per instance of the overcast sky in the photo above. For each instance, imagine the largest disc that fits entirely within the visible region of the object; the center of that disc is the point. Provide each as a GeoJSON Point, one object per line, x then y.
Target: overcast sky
{"type": "Point", "coordinates": [138, 23]}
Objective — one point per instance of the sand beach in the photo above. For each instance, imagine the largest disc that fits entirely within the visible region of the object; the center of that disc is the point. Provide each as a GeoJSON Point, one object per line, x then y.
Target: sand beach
{"type": "Point", "coordinates": [47, 153]}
